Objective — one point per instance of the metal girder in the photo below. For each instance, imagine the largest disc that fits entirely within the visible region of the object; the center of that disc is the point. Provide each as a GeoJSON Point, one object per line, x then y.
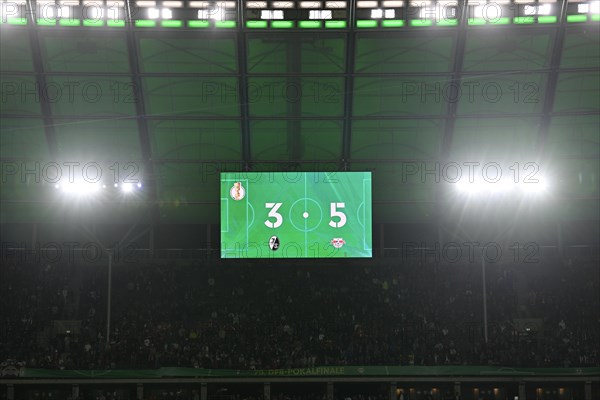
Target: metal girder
{"type": "Point", "coordinates": [291, 74]}
{"type": "Point", "coordinates": [550, 96]}
{"type": "Point", "coordinates": [140, 108]}
{"type": "Point", "coordinates": [304, 118]}
{"type": "Point", "coordinates": [40, 78]}
{"type": "Point", "coordinates": [349, 85]}
{"type": "Point", "coordinates": [242, 46]}
{"type": "Point", "coordinates": [459, 54]}
{"type": "Point", "coordinates": [294, 108]}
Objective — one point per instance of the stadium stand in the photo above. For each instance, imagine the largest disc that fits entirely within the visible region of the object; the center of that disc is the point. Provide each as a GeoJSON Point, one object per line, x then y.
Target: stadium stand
{"type": "Point", "coordinates": [232, 318]}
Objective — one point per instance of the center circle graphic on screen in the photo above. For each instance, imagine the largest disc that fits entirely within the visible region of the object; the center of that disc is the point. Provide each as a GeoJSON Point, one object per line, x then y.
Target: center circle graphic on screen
{"type": "Point", "coordinates": [306, 214]}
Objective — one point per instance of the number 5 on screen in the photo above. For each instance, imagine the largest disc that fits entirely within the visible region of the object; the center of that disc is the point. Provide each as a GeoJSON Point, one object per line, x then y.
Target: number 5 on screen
{"type": "Point", "coordinates": [336, 213]}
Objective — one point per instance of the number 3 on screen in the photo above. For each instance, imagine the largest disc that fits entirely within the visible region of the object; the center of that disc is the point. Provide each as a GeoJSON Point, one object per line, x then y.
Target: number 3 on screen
{"type": "Point", "coordinates": [274, 214]}
{"type": "Point", "coordinates": [279, 219]}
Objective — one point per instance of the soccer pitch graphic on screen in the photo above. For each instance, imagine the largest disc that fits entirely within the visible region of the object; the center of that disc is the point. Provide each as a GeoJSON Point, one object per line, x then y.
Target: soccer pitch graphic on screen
{"type": "Point", "coordinates": [296, 215]}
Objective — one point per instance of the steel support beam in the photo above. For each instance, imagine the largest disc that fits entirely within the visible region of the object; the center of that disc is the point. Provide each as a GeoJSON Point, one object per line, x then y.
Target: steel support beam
{"type": "Point", "coordinates": [349, 85]}
{"type": "Point", "coordinates": [550, 96]}
{"type": "Point", "coordinates": [40, 79]}
{"type": "Point", "coordinates": [242, 50]}
{"type": "Point", "coordinates": [150, 179]}
{"type": "Point", "coordinates": [295, 146]}
{"type": "Point", "coordinates": [459, 55]}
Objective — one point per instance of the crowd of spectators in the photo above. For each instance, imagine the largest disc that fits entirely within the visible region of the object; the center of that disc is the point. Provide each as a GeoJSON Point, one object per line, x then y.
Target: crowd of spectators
{"type": "Point", "coordinates": [251, 317]}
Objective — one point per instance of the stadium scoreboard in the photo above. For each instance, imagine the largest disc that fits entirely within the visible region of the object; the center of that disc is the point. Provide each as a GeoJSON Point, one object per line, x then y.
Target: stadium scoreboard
{"type": "Point", "coordinates": [296, 214]}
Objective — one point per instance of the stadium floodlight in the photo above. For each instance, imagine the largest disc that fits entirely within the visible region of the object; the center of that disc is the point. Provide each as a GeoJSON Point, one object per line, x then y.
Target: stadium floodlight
{"type": "Point", "coordinates": [544, 9]}
{"type": "Point", "coordinates": [65, 11]}
{"type": "Point", "coordinates": [377, 13]}
{"type": "Point", "coordinates": [79, 188]}
{"type": "Point", "coordinates": [464, 186]}
{"type": "Point", "coordinates": [366, 4]}
{"type": "Point", "coordinates": [502, 186]}
{"type": "Point", "coordinates": [94, 12]}
{"type": "Point", "coordinates": [271, 14]}
{"type": "Point", "coordinates": [320, 14]}
{"type": "Point", "coordinates": [283, 4]}
{"type": "Point", "coordinates": [218, 14]}
{"type": "Point", "coordinates": [127, 188]}
{"type": "Point", "coordinates": [49, 10]}
{"type": "Point", "coordinates": [139, 185]}
{"type": "Point", "coordinates": [310, 4]}
{"type": "Point", "coordinates": [153, 13]}
{"type": "Point", "coordinates": [172, 4]}
{"type": "Point", "coordinates": [535, 188]}
{"type": "Point", "coordinates": [256, 4]}
{"type": "Point", "coordinates": [335, 4]}
{"type": "Point", "coordinates": [478, 11]}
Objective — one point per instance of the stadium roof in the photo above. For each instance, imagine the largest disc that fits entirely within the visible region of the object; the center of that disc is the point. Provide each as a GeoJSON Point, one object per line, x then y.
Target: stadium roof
{"type": "Point", "coordinates": [182, 98]}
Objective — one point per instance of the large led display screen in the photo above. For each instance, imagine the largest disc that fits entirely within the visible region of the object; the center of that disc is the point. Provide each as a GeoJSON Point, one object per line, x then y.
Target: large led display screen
{"type": "Point", "coordinates": [296, 214]}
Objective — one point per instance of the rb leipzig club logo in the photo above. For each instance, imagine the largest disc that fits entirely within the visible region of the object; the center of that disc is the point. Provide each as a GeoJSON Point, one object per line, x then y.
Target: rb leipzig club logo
{"type": "Point", "coordinates": [337, 242]}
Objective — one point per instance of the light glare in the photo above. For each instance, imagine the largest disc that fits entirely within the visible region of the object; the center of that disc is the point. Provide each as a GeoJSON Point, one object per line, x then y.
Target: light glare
{"type": "Point", "coordinates": [79, 188]}
{"type": "Point", "coordinates": [503, 186]}
{"type": "Point", "coordinates": [377, 13]}
{"type": "Point", "coordinates": [153, 13]}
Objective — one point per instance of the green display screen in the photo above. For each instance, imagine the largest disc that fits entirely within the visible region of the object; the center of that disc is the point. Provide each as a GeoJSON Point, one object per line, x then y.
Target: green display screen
{"type": "Point", "coordinates": [296, 215]}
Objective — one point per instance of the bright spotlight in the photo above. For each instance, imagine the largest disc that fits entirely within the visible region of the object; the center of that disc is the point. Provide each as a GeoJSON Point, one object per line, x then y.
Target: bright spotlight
{"type": "Point", "coordinates": [539, 187]}
{"type": "Point", "coordinates": [464, 186]}
{"type": "Point", "coordinates": [153, 13]}
{"type": "Point", "coordinates": [502, 186]}
{"type": "Point", "coordinates": [127, 187]}
{"type": "Point", "coordinates": [79, 188]}
{"type": "Point", "coordinates": [377, 13]}
{"type": "Point", "coordinates": [139, 185]}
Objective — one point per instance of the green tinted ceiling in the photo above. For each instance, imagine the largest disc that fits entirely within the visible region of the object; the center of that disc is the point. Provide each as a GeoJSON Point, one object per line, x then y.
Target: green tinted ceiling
{"type": "Point", "coordinates": [270, 54]}
{"type": "Point", "coordinates": [100, 52]}
{"type": "Point", "coordinates": [114, 139]}
{"type": "Point", "coordinates": [187, 105]}
{"type": "Point", "coordinates": [15, 51]}
{"type": "Point", "coordinates": [377, 53]}
{"type": "Point", "coordinates": [400, 96]}
{"type": "Point", "coordinates": [196, 140]}
{"type": "Point", "coordinates": [296, 140]}
{"type": "Point", "coordinates": [498, 139]}
{"type": "Point", "coordinates": [23, 138]}
{"type": "Point", "coordinates": [575, 136]}
{"type": "Point", "coordinates": [514, 50]}
{"type": "Point", "coordinates": [188, 55]}
{"type": "Point", "coordinates": [397, 139]}
{"type": "Point", "coordinates": [581, 49]}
